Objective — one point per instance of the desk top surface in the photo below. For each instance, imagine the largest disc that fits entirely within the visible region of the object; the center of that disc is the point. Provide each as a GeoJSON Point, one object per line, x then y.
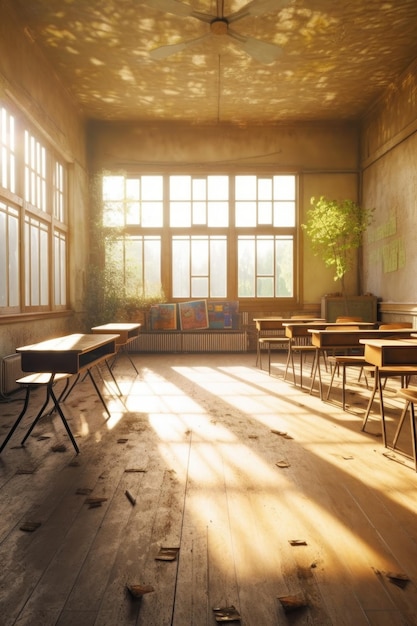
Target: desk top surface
{"type": "Point", "coordinates": [114, 327]}
{"type": "Point", "coordinates": [77, 342]}
{"type": "Point", "coordinates": [368, 329]}
{"type": "Point", "coordinates": [400, 343]}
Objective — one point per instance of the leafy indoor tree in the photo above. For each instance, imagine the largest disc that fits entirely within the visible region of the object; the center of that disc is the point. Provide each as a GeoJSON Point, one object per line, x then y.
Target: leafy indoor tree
{"type": "Point", "coordinates": [336, 229]}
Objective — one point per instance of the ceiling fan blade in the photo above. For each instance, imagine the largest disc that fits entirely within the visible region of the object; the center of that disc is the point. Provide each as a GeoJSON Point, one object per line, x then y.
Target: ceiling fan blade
{"type": "Point", "coordinates": [261, 51]}
{"type": "Point", "coordinates": [258, 7]}
{"type": "Point", "coordinates": [166, 51]}
{"type": "Point", "coordinates": [178, 8]}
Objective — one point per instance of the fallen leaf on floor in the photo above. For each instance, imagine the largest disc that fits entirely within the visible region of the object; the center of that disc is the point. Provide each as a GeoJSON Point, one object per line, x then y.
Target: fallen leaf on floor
{"type": "Point", "coordinates": [282, 464]}
{"type": "Point", "coordinates": [61, 447]}
{"type": "Point", "coordinates": [137, 591]}
{"type": "Point", "coordinates": [131, 470]}
{"type": "Point", "coordinates": [30, 527]}
{"type": "Point", "coordinates": [347, 457]}
{"type": "Point", "coordinates": [23, 470]}
{"type": "Point", "coordinates": [281, 433]}
{"type": "Point", "coordinates": [297, 542]}
{"type": "Point", "coordinates": [253, 437]}
{"type": "Point", "coordinates": [122, 440]}
{"type": "Point", "coordinates": [226, 614]}
{"type": "Point", "coordinates": [292, 603]}
{"type": "Point", "coordinates": [74, 464]}
{"type": "Point", "coordinates": [398, 579]}
{"type": "Point", "coordinates": [42, 437]}
{"type": "Point", "coordinates": [130, 497]}
{"type": "Point", "coordinates": [95, 502]}
{"type": "Point", "coordinates": [167, 554]}
{"type": "Point", "coordinates": [83, 491]}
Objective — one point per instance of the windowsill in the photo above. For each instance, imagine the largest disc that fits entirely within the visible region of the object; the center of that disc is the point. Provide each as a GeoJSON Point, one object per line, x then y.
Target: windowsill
{"type": "Point", "coordinates": [32, 316]}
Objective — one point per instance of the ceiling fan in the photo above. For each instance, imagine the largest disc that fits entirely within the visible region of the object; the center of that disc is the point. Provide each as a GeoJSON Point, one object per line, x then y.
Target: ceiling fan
{"type": "Point", "coordinates": [261, 51]}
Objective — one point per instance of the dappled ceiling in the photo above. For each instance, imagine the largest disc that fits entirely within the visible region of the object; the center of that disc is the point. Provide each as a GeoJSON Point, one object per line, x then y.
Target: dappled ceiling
{"type": "Point", "coordinates": [333, 57]}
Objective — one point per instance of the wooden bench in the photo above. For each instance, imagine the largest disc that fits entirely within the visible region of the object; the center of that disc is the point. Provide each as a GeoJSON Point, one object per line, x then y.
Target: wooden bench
{"type": "Point", "coordinates": [30, 382]}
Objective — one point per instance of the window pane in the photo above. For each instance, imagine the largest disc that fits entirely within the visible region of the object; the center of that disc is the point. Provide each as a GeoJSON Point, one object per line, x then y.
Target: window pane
{"type": "Point", "coordinates": [152, 188]}
{"type": "Point", "coordinates": [284, 214]}
{"type": "Point", "coordinates": [218, 214]}
{"type": "Point", "coordinates": [246, 214]}
{"type": "Point", "coordinates": [218, 187]}
{"type": "Point", "coordinates": [265, 287]}
{"type": "Point", "coordinates": [199, 287]}
{"type": "Point", "coordinates": [3, 258]}
{"type": "Point", "coordinates": [199, 256]}
{"type": "Point", "coordinates": [218, 268]}
{"type": "Point", "coordinates": [245, 188]}
{"type": "Point", "coordinates": [14, 264]}
{"type": "Point", "coordinates": [180, 214]}
{"type": "Point", "coordinates": [285, 267]}
{"type": "Point", "coordinates": [152, 214]}
{"type": "Point", "coordinates": [246, 267]}
{"type": "Point", "coordinates": [284, 187]}
{"type": "Point", "coordinates": [181, 268]}
{"type": "Point", "coordinates": [152, 265]}
{"type": "Point", "coordinates": [113, 187]}
{"type": "Point", "coordinates": [265, 256]}
{"type": "Point", "coordinates": [180, 187]}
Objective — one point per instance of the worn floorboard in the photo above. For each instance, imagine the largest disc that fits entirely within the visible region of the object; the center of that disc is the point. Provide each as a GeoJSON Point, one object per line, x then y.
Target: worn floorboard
{"type": "Point", "coordinates": [263, 490]}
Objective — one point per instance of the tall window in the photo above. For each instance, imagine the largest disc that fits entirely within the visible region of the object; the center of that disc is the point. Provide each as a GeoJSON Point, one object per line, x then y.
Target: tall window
{"type": "Point", "coordinates": [203, 236]}
{"type": "Point", "coordinates": [33, 221]}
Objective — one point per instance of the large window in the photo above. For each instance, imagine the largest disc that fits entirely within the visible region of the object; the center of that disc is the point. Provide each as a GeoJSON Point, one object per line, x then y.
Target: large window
{"type": "Point", "coordinates": [33, 221]}
{"type": "Point", "coordinates": [203, 236]}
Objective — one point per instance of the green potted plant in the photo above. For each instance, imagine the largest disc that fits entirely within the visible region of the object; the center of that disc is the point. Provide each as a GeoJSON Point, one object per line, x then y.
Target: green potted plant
{"type": "Point", "coordinates": [335, 229]}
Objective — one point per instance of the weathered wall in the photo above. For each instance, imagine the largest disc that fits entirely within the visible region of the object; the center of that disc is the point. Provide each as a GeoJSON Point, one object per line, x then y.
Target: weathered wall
{"type": "Point", "coordinates": [389, 161]}
{"type": "Point", "coordinates": [325, 156]}
{"type": "Point", "coordinates": [28, 83]}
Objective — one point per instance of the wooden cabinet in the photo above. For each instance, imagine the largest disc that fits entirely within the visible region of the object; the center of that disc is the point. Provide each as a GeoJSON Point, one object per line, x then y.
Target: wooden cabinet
{"type": "Point", "coordinates": [358, 306]}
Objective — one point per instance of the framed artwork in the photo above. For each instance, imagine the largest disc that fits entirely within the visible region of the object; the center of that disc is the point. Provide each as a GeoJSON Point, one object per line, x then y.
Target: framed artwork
{"type": "Point", "coordinates": [223, 314]}
{"type": "Point", "coordinates": [163, 317]}
{"type": "Point", "coordinates": [193, 315]}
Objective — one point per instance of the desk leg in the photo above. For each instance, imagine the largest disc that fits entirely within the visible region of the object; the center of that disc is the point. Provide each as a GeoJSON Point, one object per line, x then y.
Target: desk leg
{"type": "Point", "coordinates": [371, 399]}
{"type": "Point", "coordinates": [38, 417]}
{"type": "Point", "coordinates": [313, 377]}
{"type": "Point", "coordinates": [62, 416]}
{"type": "Point", "coordinates": [19, 419]}
{"type": "Point", "coordinates": [98, 392]}
{"type": "Point", "coordinates": [109, 367]}
{"type": "Point", "coordinates": [382, 411]}
{"type": "Point", "coordinates": [126, 352]}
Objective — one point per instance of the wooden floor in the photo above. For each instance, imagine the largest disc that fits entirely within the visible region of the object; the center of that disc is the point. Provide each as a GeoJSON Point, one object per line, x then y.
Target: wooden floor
{"type": "Point", "coordinates": [264, 490]}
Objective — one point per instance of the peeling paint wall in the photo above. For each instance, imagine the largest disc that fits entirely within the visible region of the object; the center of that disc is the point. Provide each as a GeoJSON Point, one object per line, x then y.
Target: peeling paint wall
{"type": "Point", "coordinates": [28, 85]}
{"type": "Point", "coordinates": [389, 157]}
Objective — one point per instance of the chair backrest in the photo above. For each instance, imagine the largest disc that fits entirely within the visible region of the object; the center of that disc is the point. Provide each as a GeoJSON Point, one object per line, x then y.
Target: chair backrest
{"type": "Point", "coordinates": [348, 319]}
{"type": "Point", "coordinates": [396, 326]}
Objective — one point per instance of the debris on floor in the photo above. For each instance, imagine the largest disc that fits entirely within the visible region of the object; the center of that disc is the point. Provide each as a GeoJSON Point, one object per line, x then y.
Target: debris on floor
{"type": "Point", "coordinates": [292, 603]}
{"type": "Point", "coordinates": [93, 503]}
{"type": "Point", "coordinates": [130, 497]}
{"type": "Point", "coordinates": [282, 463]}
{"type": "Point", "coordinates": [297, 542]}
{"type": "Point", "coordinates": [167, 554]}
{"type": "Point", "coordinates": [30, 527]}
{"type": "Point", "coordinates": [226, 614]}
{"type": "Point", "coordinates": [137, 591]}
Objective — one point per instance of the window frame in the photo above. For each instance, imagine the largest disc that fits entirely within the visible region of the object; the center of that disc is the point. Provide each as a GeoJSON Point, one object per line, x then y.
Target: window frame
{"type": "Point", "coordinates": [231, 232]}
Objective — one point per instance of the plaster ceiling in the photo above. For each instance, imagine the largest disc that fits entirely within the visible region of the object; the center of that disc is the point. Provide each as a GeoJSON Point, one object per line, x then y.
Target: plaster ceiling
{"type": "Point", "coordinates": [337, 57]}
